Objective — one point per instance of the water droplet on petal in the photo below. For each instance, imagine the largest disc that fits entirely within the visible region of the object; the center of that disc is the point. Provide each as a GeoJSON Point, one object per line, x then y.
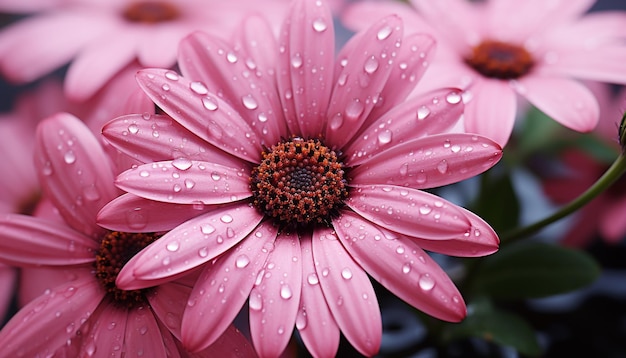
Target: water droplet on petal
{"type": "Point", "coordinates": [426, 282]}
{"type": "Point", "coordinates": [215, 176]}
{"type": "Point", "coordinates": [312, 279]}
{"type": "Point", "coordinates": [249, 102]}
{"type": "Point", "coordinates": [209, 103]}
{"type": "Point", "coordinates": [384, 33]}
{"type": "Point", "coordinates": [181, 163]}
{"type": "Point", "coordinates": [198, 88]}
{"type": "Point", "coordinates": [296, 61]}
{"type": "Point", "coordinates": [172, 246]}
{"type": "Point", "coordinates": [242, 261]}
{"type": "Point", "coordinates": [346, 273]}
{"type": "Point", "coordinates": [285, 292]}
{"type": "Point", "coordinates": [384, 137]}
{"type": "Point", "coordinates": [406, 268]}
{"type": "Point", "coordinates": [422, 113]}
{"type": "Point", "coordinates": [207, 229]}
{"type": "Point", "coordinates": [69, 157]}
{"type": "Point", "coordinates": [354, 109]}
{"type": "Point", "coordinates": [371, 65]}
{"type": "Point", "coordinates": [319, 25]}
{"type": "Point", "coordinates": [255, 301]}
{"type": "Point", "coordinates": [442, 167]}
{"type": "Point", "coordinates": [133, 128]}
{"type": "Point", "coordinates": [171, 75]}
{"type": "Point", "coordinates": [453, 97]}
{"type": "Point", "coordinates": [226, 219]}
{"type": "Point", "coordinates": [203, 252]}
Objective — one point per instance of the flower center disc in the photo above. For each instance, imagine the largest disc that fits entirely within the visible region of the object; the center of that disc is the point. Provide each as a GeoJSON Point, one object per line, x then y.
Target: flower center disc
{"type": "Point", "coordinates": [299, 182]}
{"type": "Point", "coordinates": [115, 250]}
{"type": "Point", "coordinates": [500, 60]}
{"type": "Point", "coordinates": [150, 12]}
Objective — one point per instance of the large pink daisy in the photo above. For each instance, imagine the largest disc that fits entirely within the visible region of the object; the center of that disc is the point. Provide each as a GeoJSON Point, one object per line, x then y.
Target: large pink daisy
{"type": "Point", "coordinates": [102, 37]}
{"type": "Point", "coordinates": [498, 50]}
{"type": "Point", "coordinates": [88, 314]}
{"type": "Point", "coordinates": [293, 175]}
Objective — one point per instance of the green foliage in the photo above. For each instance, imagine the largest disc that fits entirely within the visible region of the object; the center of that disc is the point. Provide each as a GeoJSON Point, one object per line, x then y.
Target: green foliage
{"type": "Point", "coordinates": [498, 203]}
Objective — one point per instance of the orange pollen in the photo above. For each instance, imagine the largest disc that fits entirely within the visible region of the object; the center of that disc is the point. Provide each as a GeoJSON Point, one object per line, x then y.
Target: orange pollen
{"type": "Point", "coordinates": [501, 60]}
{"type": "Point", "coordinates": [151, 12]}
{"type": "Point", "coordinates": [299, 182]}
{"type": "Point", "coordinates": [115, 250]}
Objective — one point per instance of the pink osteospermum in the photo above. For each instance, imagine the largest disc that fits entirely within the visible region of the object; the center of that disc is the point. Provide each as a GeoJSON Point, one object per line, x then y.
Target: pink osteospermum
{"type": "Point", "coordinates": [88, 315]}
{"type": "Point", "coordinates": [100, 38]}
{"type": "Point", "coordinates": [293, 175]}
{"type": "Point", "coordinates": [499, 50]}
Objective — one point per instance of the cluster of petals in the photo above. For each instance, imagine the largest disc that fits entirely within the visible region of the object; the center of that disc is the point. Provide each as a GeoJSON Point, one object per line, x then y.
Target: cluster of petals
{"type": "Point", "coordinates": [100, 38]}
{"type": "Point", "coordinates": [234, 99]}
{"type": "Point", "coordinates": [565, 45]}
{"type": "Point", "coordinates": [77, 317]}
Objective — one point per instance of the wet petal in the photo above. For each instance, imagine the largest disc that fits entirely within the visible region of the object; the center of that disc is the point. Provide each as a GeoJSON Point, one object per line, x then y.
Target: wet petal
{"type": "Point", "coordinates": [223, 287]}
{"type": "Point", "coordinates": [30, 241]}
{"type": "Point", "coordinates": [168, 303]}
{"type": "Point", "coordinates": [418, 117]}
{"type": "Point", "coordinates": [131, 213]}
{"type": "Point", "coordinates": [363, 77]}
{"type": "Point", "coordinates": [306, 65]}
{"type": "Point", "coordinates": [143, 335]}
{"type": "Point", "coordinates": [152, 138]}
{"type": "Point", "coordinates": [566, 101]}
{"type": "Point", "coordinates": [349, 293]}
{"type": "Point", "coordinates": [315, 322]}
{"type": "Point", "coordinates": [51, 319]}
{"type": "Point", "coordinates": [201, 112]}
{"type": "Point", "coordinates": [106, 331]}
{"type": "Point", "coordinates": [491, 110]}
{"type": "Point", "coordinates": [409, 211]}
{"type": "Point", "coordinates": [480, 240]}
{"type": "Point", "coordinates": [218, 67]}
{"type": "Point", "coordinates": [429, 162]}
{"type": "Point", "coordinates": [184, 181]}
{"type": "Point", "coordinates": [232, 343]}
{"type": "Point", "coordinates": [256, 30]}
{"type": "Point", "coordinates": [402, 266]}
{"type": "Point", "coordinates": [275, 297]}
{"type": "Point", "coordinates": [188, 246]}
{"type": "Point", "coordinates": [74, 171]}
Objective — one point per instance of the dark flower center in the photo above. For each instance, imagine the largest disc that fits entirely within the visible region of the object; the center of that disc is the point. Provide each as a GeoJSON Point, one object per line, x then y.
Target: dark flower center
{"type": "Point", "coordinates": [501, 60]}
{"type": "Point", "coordinates": [150, 12]}
{"type": "Point", "coordinates": [299, 182]}
{"type": "Point", "coordinates": [115, 250]}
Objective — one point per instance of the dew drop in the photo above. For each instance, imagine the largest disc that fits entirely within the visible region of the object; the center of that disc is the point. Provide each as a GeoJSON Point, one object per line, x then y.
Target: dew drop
{"type": "Point", "coordinates": [181, 163]}
{"type": "Point", "coordinates": [133, 128]}
{"type": "Point", "coordinates": [285, 292]}
{"type": "Point", "coordinates": [319, 25]}
{"type": "Point", "coordinates": [171, 75]}
{"type": "Point", "coordinates": [255, 301]}
{"type": "Point", "coordinates": [301, 320]}
{"type": "Point", "coordinates": [312, 279]}
{"type": "Point", "coordinates": [144, 173]}
{"type": "Point", "coordinates": [47, 169]}
{"type": "Point", "coordinates": [198, 88]}
{"type": "Point", "coordinates": [242, 261]}
{"type": "Point", "coordinates": [177, 188]}
{"type": "Point", "coordinates": [231, 57]}
{"type": "Point", "coordinates": [384, 33]}
{"type": "Point", "coordinates": [404, 169]}
{"type": "Point", "coordinates": [425, 210]}
{"type": "Point", "coordinates": [165, 87]}
{"type": "Point", "coordinates": [384, 137]}
{"type": "Point", "coordinates": [346, 273]}
{"type": "Point", "coordinates": [296, 61]}
{"type": "Point", "coordinates": [215, 176]}
{"type": "Point", "coordinates": [400, 250]}
{"type": "Point", "coordinates": [442, 167]}
{"type": "Point", "coordinates": [453, 97]}
{"type": "Point", "coordinates": [209, 103]}
{"type": "Point", "coordinates": [249, 102]}
{"type": "Point", "coordinates": [189, 184]}
{"type": "Point", "coordinates": [406, 268]}
{"type": "Point", "coordinates": [226, 219]}
{"type": "Point", "coordinates": [371, 65]}
{"type": "Point", "coordinates": [203, 252]}
{"type": "Point", "coordinates": [262, 117]}
{"type": "Point", "coordinates": [207, 229]}
{"type": "Point", "coordinates": [354, 109]}
{"type": "Point", "coordinates": [422, 113]}
{"type": "Point", "coordinates": [172, 246]}
{"type": "Point", "coordinates": [69, 157]}
{"type": "Point", "coordinates": [426, 282]}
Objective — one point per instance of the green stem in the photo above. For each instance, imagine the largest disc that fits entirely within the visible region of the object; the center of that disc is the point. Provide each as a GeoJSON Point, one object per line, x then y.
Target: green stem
{"type": "Point", "coordinates": [608, 178]}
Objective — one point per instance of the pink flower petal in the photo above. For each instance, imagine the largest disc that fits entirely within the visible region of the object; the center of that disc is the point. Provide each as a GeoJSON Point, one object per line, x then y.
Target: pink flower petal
{"type": "Point", "coordinates": [185, 181]}
{"type": "Point", "coordinates": [409, 211]}
{"type": "Point", "coordinates": [429, 162]}
{"type": "Point", "coordinates": [480, 240]}
{"type": "Point", "coordinates": [106, 331]}
{"type": "Point", "coordinates": [314, 321]}
{"type": "Point", "coordinates": [158, 46]}
{"type": "Point", "coordinates": [308, 38]}
{"type": "Point", "coordinates": [613, 222]}
{"type": "Point", "coordinates": [606, 64]}
{"type": "Point", "coordinates": [131, 213]}
{"type": "Point", "coordinates": [402, 266]}
{"type": "Point", "coordinates": [223, 287]}
{"type": "Point", "coordinates": [189, 245]}
{"type": "Point", "coordinates": [204, 114]}
{"type": "Point", "coordinates": [349, 293]}
{"type": "Point", "coordinates": [168, 303]}
{"type": "Point", "coordinates": [151, 138]}
{"type": "Point", "coordinates": [30, 241]}
{"type": "Point", "coordinates": [231, 343]}
{"type": "Point", "coordinates": [413, 60]}
{"type": "Point", "coordinates": [255, 30]}
{"type": "Point", "coordinates": [143, 334]}
{"type": "Point", "coordinates": [74, 171]}
{"type": "Point", "coordinates": [219, 67]}
{"type": "Point", "coordinates": [275, 297]}
{"type": "Point", "coordinates": [491, 110]}
{"type": "Point", "coordinates": [566, 101]}
{"type": "Point", "coordinates": [95, 66]}
{"type": "Point", "coordinates": [364, 75]}
{"type": "Point", "coordinates": [51, 319]}
{"type": "Point", "coordinates": [359, 14]}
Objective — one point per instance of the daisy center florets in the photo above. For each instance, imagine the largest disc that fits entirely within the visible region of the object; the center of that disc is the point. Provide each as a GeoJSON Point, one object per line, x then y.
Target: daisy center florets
{"type": "Point", "coordinates": [151, 12]}
{"type": "Point", "coordinates": [299, 182]}
{"type": "Point", "coordinates": [115, 250]}
{"type": "Point", "coordinates": [501, 60]}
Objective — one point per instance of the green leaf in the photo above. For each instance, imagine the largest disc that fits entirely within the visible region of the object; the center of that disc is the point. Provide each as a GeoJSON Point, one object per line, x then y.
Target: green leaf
{"type": "Point", "coordinates": [498, 326]}
{"type": "Point", "coordinates": [533, 270]}
{"type": "Point", "coordinates": [498, 203]}
{"type": "Point", "coordinates": [538, 131]}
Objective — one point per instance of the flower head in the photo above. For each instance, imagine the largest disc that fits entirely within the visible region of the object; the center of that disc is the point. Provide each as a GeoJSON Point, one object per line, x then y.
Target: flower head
{"type": "Point", "coordinates": [288, 175]}
{"type": "Point", "coordinates": [499, 50]}
{"type": "Point", "coordinates": [87, 314]}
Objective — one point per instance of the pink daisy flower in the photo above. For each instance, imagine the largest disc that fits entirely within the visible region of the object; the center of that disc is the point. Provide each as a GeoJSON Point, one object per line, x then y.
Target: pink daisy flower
{"type": "Point", "coordinates": [100, 38]}
{"type": "Point", "coordinates": [88, 314]}
{"type": "Point", "coordinates": [499, 50]}
{"type": "Point", "coordinates": [309, 173]}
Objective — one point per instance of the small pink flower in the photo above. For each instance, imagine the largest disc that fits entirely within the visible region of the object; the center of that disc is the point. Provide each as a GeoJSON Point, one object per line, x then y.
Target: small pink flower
{"type": "Point", "coordinates": [499, 50]}
{"type": "Point", "coordinates": [100, 38]}
{"type": "Point", "coordinates": [87, 315]}
{"type": "Point", "coordinates": [288, 176]}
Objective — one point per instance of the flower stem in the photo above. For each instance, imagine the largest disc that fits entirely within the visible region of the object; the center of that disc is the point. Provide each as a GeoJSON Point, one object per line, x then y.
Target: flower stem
{"type": "Point", "coordinates": [606, 180]}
